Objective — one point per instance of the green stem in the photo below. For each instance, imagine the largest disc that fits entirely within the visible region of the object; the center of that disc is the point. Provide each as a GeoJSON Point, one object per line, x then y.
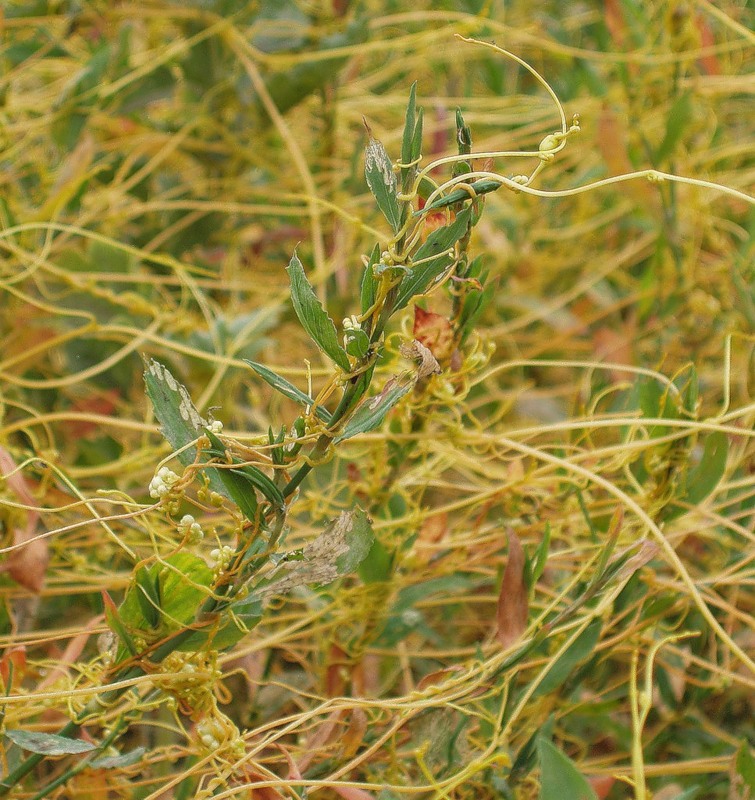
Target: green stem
{"type": "Point", "coordinates": [353, 394]}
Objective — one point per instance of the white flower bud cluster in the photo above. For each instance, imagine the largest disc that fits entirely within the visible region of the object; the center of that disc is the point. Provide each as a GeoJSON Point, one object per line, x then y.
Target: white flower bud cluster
{"type": "Point", "coordinates": [351, 323]}
{"type": "Point", "coordinates": [216, 732]}
{"type": "Point", "coordinates": [220, 558]}
{"type": "Point", "coordinates": [162, 483]}
{"type": "Point", "coordinates": [216, 427]}
{"type": "Point", "coordinates": [190, 528]}
{"type": "Point", "coordinates": [210, 733]}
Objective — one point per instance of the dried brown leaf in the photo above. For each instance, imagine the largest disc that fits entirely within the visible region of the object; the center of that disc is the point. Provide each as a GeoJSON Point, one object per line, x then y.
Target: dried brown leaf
{"type": "Point", "coordinates": [26, 564]}
{"type": "Point", "coordinates": [427, 364]}
{"type": "Point", "coordinates": [512, 601]}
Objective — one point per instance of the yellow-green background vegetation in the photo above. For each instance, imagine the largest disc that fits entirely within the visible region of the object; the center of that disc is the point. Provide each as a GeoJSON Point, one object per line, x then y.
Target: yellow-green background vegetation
{"type": "Point", "coordinates": [159, 163]}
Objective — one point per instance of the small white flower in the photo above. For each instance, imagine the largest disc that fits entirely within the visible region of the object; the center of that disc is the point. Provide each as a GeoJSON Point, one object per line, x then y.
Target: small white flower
{"type": "Point", "coordinates": [161, 484]}
{"type": "Point", "coordinates": [216, 426]}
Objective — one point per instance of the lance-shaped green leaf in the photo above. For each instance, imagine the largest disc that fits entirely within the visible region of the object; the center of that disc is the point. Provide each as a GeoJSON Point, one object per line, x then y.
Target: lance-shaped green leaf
{"type": "Point", "coordinates": [411, 143]}
{"type": "Point", "coordinates": [337, 551]}
{"type": "Point", "coordinates": [482, 186]}
{"type": "Point", "coordinates": [579, 650]}
{"type": "Point", "coordinates": [369, 281]}
{"type": "Point", "coordinates": [559, 777]}
{"type": "Point", "coordinates": [409, 123]}
{"type": "Point", "coordinates": [49, 744]}
{"type": "Point", "coordinates": [381, 179]}
{"type": "Point", "coordinates": [432, 259]}
{"type": "Point", "coordinates": [677, 123]}
{"type": "Point", "coordinates": [371, 412]}
{"type": "Point", "coordinates": [288, 389]}
{"type": "Point", "coordinates": [180, 422]}
{"type": "Point", "coordinates": [313, 316]}
{"type": "Point", "coordinates": [703, 479]}
{"type": "Point", "coordinates": [238, 480]}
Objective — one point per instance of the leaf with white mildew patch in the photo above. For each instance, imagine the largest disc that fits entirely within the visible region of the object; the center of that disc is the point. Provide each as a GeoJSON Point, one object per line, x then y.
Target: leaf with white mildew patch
{"type": "Point", "coordinates": [337, 551]}
{"type": "Point", "coordinates": [381, 179]}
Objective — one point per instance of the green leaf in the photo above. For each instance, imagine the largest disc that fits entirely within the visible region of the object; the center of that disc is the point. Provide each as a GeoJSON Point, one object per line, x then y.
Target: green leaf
{"type": "Point", "coordinates": [559, 777]}
{"type": "Point", "coordinates": [148, 596]}
{"type": "Point", "coordinates": [417, 138]}
{"type": "Point", "coordinates": [580, 649]}
{"type": "Point", "coordinates": [179, 420]}
{"type": "Point", "coordinates": [113, 618]}
{"type": "Point", "coordinates": [288, 389]}
{"type": "Point", "coordinates": [369, 283]}
{"type": "Point", "coordinates": [703, 479]}
{"type": "Point", "coordinates": [381, 179]}
{"type": "Point", "coordinates": [482, 186]}
{"type": "Point", "coordinates": [678, 119]}
{"type": "Point", "coordinates": [745, 765]}
{"type": "Point", "coordinates": [313, 316]}
{"type": "Point", "coordinates": [376, 567]}
{"type": "Point", "coordinates": [120, 760]}
{"type": "Point", "coordinates": [49, 744]}
{"type": "Point", "coordinates": [541, 555]}
{"type": "Point", "coordinates": [371, 412]}
{"type": "Point", "coordinates": [229, 627]}
{"type": "Point", "coordinates": [409, 124]}
{"type": "Point", "coordinates": [435, 258]}
{"type": "Point", "coordinates": [184, 580]}
{"type": "Point", "coordinates": [247, 474]}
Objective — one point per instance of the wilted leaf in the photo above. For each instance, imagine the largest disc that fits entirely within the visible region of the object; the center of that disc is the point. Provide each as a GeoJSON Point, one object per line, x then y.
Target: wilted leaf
{"type": "Point", "coordinates": [337, 551]}
{"type": "Point", "coordinates": [371, 412]}
{"type": "Point", "coordinates": [427, 363]}
{"type": "Point", "coordinates": [381, 179]}
{"type": "Point", "coordinates": [513, 602]}
{"type": "Point", "coordinates": [559, 777]}
{"type": "Point", "coordinates": [313, 316]}
{"type": "Point", "coordinates": [49, 744]}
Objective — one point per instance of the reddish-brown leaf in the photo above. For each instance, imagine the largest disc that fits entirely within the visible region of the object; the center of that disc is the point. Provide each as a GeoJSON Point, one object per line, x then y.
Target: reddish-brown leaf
{"type": "Point", "coordinates": [434, 332]}
{"type": "Point", "coordinates": [13, 663]}
{"type": "Point", "coordinates": [512, 601]}
{"type": "Point", "coordinates": [28, 562]}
